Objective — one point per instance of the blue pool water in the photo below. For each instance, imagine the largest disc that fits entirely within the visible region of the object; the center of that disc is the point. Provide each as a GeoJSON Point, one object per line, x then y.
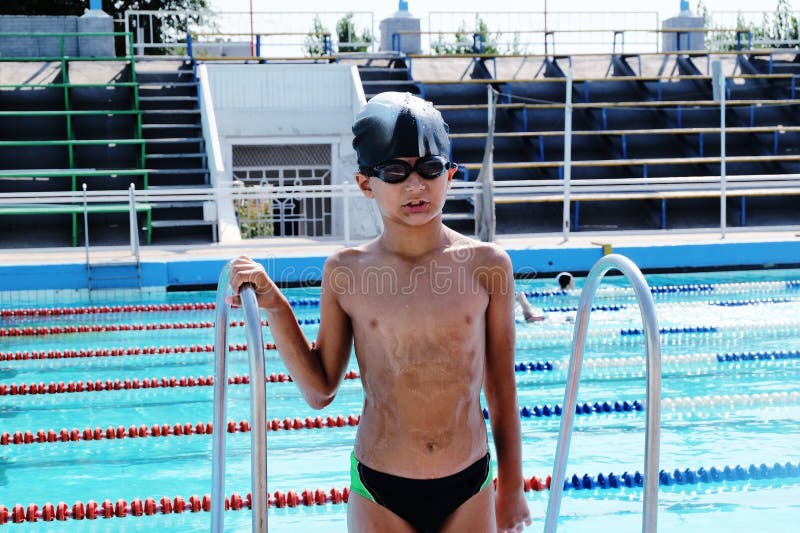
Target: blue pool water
{"type": "Point", "coordinates": [730, 392]}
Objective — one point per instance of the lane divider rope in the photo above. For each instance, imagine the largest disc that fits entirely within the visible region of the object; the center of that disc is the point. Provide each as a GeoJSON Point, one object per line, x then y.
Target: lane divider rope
{"type": "Point", "coordinates": [721, 288]}
{"type": "Point", "coordinates": [523, 334]}
{"type": "Point", "coordinates": [130, 308]}
{"type": "Point", "coordinates": [760, 358]}
{"type": "Point", "coordinates": [21, 389]}
{"type": "Point", "coordinates": [166, 430]}
{"type": "Point", "coordinates": [682, 404]}
{"type": "Point", "coordinates": [92, 510]}
{"type": "Point", "coordinates": [36, 331]}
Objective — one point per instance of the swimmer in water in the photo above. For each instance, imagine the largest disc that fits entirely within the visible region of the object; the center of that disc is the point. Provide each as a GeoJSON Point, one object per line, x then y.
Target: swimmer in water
{"type": "Point", "coordinates": [431, 314]}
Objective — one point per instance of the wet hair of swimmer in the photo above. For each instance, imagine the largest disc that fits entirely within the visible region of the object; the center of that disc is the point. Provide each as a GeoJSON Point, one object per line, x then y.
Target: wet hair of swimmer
{"type": "Point", "coordinates": [393, 125]}
{"type": "Point", "coordinates": [564, 280]}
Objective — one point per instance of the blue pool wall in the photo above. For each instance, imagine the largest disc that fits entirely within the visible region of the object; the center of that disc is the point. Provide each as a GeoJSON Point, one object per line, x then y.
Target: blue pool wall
{"type": "Point", "coordinates": [527, 261]}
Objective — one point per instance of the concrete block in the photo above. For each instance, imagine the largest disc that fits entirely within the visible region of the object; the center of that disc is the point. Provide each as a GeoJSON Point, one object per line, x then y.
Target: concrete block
{"type": "Point", "coordinates": [94, 21]}
{"type": "Point", "coordinates": [410, 44]}
{"type": "Point", "coordinates": [30, 46]}
{"type": "Point", "coordinates": [693, 40]}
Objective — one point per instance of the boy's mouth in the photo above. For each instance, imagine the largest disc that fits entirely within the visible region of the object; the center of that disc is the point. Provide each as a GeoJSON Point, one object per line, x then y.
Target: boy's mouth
{"type": "Point", "coordinates": [416, 205]}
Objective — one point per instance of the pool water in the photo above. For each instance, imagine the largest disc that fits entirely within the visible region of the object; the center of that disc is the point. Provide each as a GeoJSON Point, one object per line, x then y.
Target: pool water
{"type": "Point", "coordinates": [730, 398]}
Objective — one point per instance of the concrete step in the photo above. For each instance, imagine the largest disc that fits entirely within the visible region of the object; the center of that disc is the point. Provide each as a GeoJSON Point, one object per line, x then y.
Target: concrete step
{"type": "Point", "coordinates": [182, 222]}
{"type": "Point", "coordinates": [170, 156]}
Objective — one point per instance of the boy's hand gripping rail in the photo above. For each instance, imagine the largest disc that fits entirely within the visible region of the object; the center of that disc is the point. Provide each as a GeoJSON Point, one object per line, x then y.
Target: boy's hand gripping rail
{"type": "Point", "coordinates": [653, 401]}
{"type": "Point", "coordinates": [258, 402]}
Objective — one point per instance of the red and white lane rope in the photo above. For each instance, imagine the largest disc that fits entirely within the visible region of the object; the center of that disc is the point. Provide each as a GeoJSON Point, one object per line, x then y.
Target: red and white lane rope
{"type": "Point", "coordinates": [92, 510]}
{"type": "Point", "coordinates": [21, 389]}
{"type": "Point", "coordinates": [73, 353]}
{"type": "Point", "coordinates": [167, 430]}
{"type": "Point", "coordinates": [684, 406]}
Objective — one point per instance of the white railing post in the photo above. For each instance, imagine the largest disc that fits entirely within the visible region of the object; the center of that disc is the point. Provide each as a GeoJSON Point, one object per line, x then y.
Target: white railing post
{"type": "Point", "coordinates": [653, 394]}
{"type": "Point", "coordinates": [258, 406]}
{"type": "Point", "coordinates": [134, 223]}
{"type": "Point", "coordinates": [86, 223]}
{"type": "Point", "coordinates": [128, 50]}
{"type": "Point", "coordinates": [567, 154]}
{"type": "Point", "coordinates": [346, 214]}
{"type": "Point", "coordinates": [723, 178]}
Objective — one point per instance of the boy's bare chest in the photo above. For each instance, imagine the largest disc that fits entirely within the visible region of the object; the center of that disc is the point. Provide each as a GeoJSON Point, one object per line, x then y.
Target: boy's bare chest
{"type": "Point", "coordinates": [416, 292]}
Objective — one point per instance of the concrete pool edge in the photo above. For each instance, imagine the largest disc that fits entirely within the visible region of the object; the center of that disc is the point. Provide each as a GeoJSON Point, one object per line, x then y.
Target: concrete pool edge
{"type": "Point", "coordinates": [294, 261]}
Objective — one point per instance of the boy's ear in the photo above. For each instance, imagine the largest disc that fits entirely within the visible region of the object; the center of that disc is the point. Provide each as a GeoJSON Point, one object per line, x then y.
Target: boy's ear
{"type": "Point", "coordinates": [362, 181]}
{"type": "Point", "coordinates": [451, 172]}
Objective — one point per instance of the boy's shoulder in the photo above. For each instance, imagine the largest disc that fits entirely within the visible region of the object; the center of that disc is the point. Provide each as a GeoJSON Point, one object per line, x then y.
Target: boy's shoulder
{"type": "Point", "coordinates": [486, 254]}
{"type": "Point", "coordinates": [350, 256]}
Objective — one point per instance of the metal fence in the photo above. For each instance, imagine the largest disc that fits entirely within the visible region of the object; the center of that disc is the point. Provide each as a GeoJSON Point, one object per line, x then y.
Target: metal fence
{"type": "Point", "coordinates": [305, 33]}
{"type": "Point", "coordinates": [281, 166]}
{"type": "Point", "coordinates": [284, 34]}
{"type": "Point", "coordinates": [769, 29]}
{"type": "Point", "coordinates": [526, 32]}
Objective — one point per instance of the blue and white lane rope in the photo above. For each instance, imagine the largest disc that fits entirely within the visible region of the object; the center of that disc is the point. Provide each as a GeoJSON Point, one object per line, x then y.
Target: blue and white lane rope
{"type": "Point", "coordinates": [686, 476]}
{"type": "Point", "coordinates": [681, 404]}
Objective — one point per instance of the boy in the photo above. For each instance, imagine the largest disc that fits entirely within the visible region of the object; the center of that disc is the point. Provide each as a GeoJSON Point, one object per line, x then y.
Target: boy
{"type": "Point", "coordinates": [566, 281]}
{"type": "Point", "coordinates": [431, 315]}
{"type": "Point", "coordinates": [529, 313]}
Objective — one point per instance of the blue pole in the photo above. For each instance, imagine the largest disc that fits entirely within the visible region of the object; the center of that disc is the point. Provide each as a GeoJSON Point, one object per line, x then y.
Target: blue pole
{"type": "Point", "coordinates": [258, 45]}
{"type": "Point", "coordinates": [403, 5]}
{"type": "Point", "coordinates": [327, 45]}
{"type": "Point", "coordinates": [684, 5]}
{"type": "Point", "coordinates": [189, 44]}
{"type": "Point", "coordinates": [95, 4]}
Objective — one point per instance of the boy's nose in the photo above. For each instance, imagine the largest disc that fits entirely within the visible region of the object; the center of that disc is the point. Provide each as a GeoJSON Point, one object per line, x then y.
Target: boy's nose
{"type": "Point", "coordinates": [414, 181]}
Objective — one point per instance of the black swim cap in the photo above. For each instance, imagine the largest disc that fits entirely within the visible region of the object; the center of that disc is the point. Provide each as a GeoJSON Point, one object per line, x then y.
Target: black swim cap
{"type": "Point", "coordinates": [396, 124]}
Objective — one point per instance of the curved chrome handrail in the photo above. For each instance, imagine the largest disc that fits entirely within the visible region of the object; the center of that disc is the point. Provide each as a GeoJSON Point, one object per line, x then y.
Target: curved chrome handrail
{"type": "Point", "coordinates": [652, 405]}
{"type": "Point", "coordinates": [258, 406]}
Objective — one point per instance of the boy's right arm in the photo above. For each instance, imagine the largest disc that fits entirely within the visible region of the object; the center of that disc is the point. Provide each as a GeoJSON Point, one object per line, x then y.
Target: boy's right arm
{"type": "Point", "coordinates": [319, 370]}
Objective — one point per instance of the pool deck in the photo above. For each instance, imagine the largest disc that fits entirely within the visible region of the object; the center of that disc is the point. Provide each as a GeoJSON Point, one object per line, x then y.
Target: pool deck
{"type": "Point", "coordinates": [294, 259]}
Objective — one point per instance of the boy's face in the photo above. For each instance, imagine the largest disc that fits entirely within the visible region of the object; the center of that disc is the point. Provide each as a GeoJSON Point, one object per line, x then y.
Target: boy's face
{"type": "Point", "coordinates": [414, 201]}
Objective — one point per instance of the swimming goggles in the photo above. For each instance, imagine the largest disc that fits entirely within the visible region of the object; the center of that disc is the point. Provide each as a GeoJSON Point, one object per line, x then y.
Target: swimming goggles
{"type": "Point", "coordinates": [396, 170]}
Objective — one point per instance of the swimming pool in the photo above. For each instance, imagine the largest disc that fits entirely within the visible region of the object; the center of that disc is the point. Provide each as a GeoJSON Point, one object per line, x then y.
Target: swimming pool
{"type": "Point", "coordinates": [136, 423]}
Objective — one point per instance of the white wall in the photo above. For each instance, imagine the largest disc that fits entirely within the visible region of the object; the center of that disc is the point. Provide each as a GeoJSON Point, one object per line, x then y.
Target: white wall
{"type": "Point", "coordinates": [294, 104]}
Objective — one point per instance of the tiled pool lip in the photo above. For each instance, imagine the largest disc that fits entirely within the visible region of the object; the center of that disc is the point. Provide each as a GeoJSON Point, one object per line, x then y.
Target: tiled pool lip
{"type": "Point", "coordinates": [294, 260]}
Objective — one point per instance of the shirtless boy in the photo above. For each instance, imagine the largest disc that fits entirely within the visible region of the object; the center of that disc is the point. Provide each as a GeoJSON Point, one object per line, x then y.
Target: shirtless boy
{"type": "Point", "coordinates": [431, 314]}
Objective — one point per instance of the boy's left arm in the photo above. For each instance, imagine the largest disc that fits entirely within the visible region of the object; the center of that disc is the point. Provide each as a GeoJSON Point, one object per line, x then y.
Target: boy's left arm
{"type": "Point", "coordinates": [501, 395]}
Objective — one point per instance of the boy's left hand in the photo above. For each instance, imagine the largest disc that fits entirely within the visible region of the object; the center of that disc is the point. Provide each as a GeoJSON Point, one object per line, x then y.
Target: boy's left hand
{"type": "Point", "coordinates": [511, 510]}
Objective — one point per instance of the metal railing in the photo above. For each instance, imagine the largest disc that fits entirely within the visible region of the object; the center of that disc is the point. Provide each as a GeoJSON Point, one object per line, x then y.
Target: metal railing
{"type": "Point", "coordinates": [653, 398]}
{"type": "Point", "coordinates": [509, 32]}
{"type": "Point", "coordinates": [504, 192]}
{"type": "Point", "coordinates": [258, 406]}
{"type": "Point", "coordinates": [133, 220]}
{"type": "Point", "coordinates": [174, 31]}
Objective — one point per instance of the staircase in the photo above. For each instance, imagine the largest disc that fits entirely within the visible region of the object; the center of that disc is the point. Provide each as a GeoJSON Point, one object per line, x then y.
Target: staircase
{"type": "Point", "coordinates": [114, 275]}
{"type": "Point", "coordinates": [174, 147]}
{"type": "Point", "coordinates": [389, 73]}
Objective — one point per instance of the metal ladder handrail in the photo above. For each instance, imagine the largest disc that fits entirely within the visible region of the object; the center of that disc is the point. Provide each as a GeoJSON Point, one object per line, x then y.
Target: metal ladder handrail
{"type": "Point", "coordinates": [652, 403]}
{"type": "Point", "coordinates": [258, 406]}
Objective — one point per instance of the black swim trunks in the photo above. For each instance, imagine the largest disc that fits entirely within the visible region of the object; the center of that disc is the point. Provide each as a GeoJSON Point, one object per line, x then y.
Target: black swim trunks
{"type": "Point", "coordinates": [423, 503]}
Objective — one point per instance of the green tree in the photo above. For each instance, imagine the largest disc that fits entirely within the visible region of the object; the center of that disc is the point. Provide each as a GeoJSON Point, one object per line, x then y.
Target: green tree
{"type": "Point", "coordinates": [777, 30]}
{"type": "Point", "coordinates": [348, 35]}
{"type": "Point", "coordinates": [784, 26]}
{"type": "Point", "coordinates": [315, 40]}
{"type": "Point", "coordinates": [489, 41]}
{"type": "Point", "coordinates": [465, 40]}
{"type": "Point", "coordinates": [162, 26]}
